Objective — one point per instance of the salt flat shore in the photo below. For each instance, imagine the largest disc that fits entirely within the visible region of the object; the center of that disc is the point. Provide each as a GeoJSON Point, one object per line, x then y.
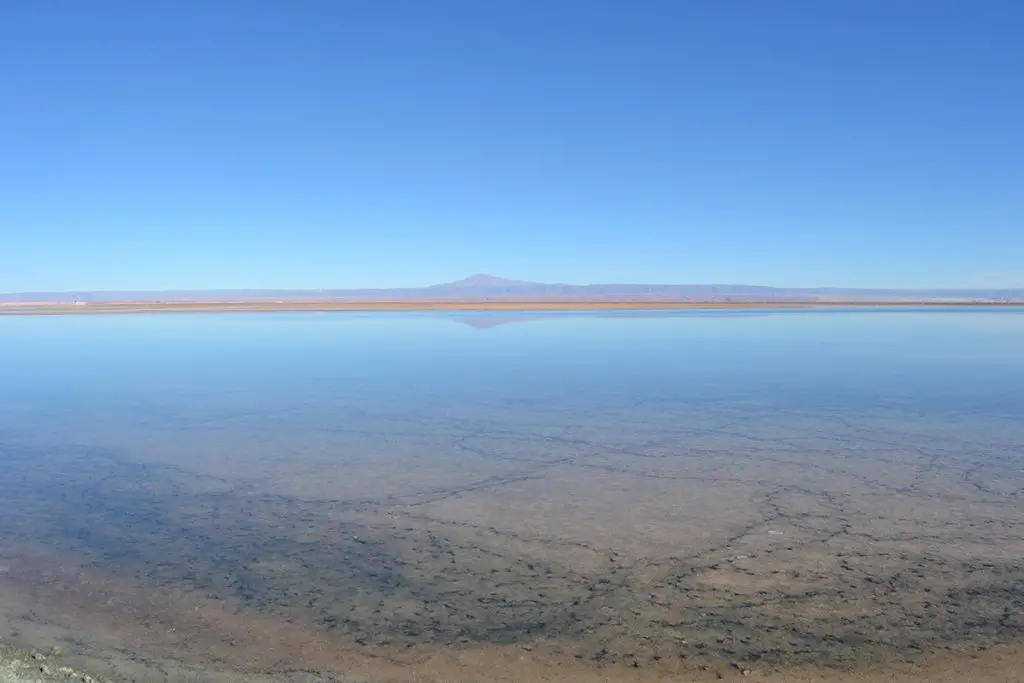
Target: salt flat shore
{"type": "Point", "coordinates": [1002, 665]}
{"type": "Point", "coordinates": [262, 306]}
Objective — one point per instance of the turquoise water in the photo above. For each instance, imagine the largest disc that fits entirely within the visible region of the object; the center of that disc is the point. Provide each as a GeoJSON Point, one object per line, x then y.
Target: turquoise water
{"type": "Point", "coordinates": [300, 467]}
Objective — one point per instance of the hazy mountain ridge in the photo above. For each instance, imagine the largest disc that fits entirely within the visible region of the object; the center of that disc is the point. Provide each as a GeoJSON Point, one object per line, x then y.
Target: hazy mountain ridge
{"type": "Point", "coordinates": [484, 286]}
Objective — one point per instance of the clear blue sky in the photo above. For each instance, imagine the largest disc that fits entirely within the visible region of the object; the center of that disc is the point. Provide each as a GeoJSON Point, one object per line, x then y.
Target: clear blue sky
{"type": "Point", "coordinates": [330, 143]}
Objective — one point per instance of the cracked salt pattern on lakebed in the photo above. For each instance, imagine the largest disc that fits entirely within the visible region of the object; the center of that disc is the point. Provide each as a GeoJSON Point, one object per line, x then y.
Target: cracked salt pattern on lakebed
{"type": "Point", "coordinates": [658, 530]}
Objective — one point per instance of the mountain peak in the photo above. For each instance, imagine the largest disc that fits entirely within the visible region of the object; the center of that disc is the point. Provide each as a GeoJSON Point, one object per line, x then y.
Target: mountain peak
{"type": "Point", "coordinates": [485, 281]}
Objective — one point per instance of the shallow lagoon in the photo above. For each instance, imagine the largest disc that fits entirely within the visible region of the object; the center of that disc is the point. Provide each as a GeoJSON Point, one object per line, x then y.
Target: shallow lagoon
{"type": "Point", "coordinates": [355, 493]}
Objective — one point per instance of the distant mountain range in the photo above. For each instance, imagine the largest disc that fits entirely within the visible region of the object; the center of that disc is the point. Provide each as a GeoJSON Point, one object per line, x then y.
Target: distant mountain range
{"type": "Point", "coordinates": [488, 287]}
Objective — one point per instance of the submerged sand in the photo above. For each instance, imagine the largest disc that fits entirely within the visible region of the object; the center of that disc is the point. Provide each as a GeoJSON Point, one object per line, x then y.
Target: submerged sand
{"type": "Point", "coordinates": [553, 555]}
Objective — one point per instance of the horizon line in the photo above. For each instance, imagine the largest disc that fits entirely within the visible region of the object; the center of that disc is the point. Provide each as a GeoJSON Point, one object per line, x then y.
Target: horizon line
{"type": "Point", "coordinates": [484, 282]}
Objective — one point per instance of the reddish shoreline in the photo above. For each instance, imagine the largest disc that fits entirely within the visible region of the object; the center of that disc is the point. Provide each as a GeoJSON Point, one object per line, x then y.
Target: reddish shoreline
{"type": "Point", "coordinates": [262, 306]}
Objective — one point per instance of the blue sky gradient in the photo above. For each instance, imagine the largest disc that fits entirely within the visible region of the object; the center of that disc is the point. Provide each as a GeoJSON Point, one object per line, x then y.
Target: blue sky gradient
{"type": "Point", "coordinates": [176, 144]}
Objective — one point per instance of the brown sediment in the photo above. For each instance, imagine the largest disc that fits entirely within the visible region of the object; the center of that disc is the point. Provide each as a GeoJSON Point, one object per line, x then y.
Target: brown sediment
{"type": "Point", "coordinates": [832, 547]}
{"type": "Point", "coordinates": [119, 629]}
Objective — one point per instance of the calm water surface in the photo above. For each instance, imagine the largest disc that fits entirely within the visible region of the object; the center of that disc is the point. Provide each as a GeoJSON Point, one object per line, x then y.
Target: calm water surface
{"type": "Point", "coordinates": [652, 491]}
